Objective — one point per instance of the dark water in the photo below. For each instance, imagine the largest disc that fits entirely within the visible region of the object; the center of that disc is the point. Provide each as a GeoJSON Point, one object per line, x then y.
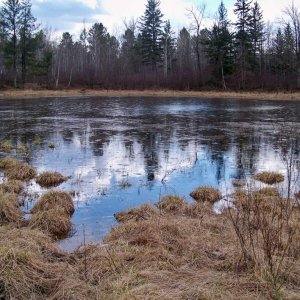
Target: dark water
{"type": "Point", "coordinates": [122, 152]}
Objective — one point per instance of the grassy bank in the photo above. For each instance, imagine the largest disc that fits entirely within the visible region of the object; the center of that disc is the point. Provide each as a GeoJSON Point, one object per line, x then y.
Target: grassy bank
{"type": "Point", "coordinates": [14, 94]}
{"type": "Point", "coordinates": [172, 250]}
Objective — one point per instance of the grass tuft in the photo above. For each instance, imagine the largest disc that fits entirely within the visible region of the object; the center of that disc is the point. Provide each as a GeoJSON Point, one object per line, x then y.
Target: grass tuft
{"type": "Point", "coordinates": [6, 146]}
{"type": "Point", "coordinates": [206, 194]}
{"type": "Point", "coordinates": [52, 199]}
{"type": "Point", "coordinates": [13, 186]}
{"type": "Point", "coordinates": [21, 171]}
{"type": "Point", "coordinates": [172, 204]}
{"type": "Point", "coordinates": [144, 212]}
{"type": "Point", "coordinates": [9, 208]}
{"type": "Point", "coordinates": [50, 179]}
{"type": "Point", "coordinates": [54, 221]}
{"type": "Point", "coordinates": [8, 162]}
{"type": "Point", "coordinates": [269, 177]}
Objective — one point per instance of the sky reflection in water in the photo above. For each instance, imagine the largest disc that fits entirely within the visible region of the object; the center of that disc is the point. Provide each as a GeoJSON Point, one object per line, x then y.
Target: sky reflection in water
{"type": "Point", "coordinates": [122, 152]}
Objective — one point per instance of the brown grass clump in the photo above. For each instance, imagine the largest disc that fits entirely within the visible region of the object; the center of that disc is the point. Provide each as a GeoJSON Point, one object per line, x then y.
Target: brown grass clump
{"type": "Point", "coordinates": [54, 221]}
{"type": "Point", "coordinates": [9, 208]}
{"type": "Point", "coordinates": [144, 212]}
{"type": "Point", "coordinates": [8, 162]}
{"type": "Point", "coordinates": [21, 171]}
{"type": "Point", "coordinates": [13, 186]}
{"type": "Point", "coordinates": [31, 267]}
{"type": "Point", "coordinates": [206, 194]}
{"type": "Point", "coordinates": [6, 146]}
{"type": "Point", "coordinates": [269, 177]}
{"type": "Point", "coordinates": [50, 179]}
{"type": "Point", "coordinates": [171, 204]}
{"type": "Point", "coordinates": [52, 199]}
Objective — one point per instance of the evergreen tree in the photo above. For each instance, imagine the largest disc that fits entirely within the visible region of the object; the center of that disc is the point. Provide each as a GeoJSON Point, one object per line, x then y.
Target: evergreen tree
{"type": "Point", "coordinates": [256, 30]}
{"type": "Point", "coordinates": [151, 34]}
{"type": "Point", "coordinates": [289, 53]}
{"type": "Point", "coordinates": [11, 16]}
{"type": "Point", "coordinates": [219, 46]}
{"type": "Point", "coordinates": [168, 44]}
{"type": "Point", "coordinates": [278, 53]}
{"type": "Point", "coordinates": [128, 51]}
{"type": "Point", "coordinates": [27, 46]}
{"type": "Point", "coordinates": [242, 36]}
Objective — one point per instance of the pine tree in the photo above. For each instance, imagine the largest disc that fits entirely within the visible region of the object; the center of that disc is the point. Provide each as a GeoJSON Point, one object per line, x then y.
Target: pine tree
{"type": "Point", "coordinates": [168, 44]}
{"type": "Point", "coordinates": [219, 46]}
{"type": "Point", "coordinates": [278, 53]}
{"type": "Point", "coordinates": [11, 16]}
{"type": "Point", "coordinates": [27, 22]}
{"type": "Point", "coordinates": [289, 53]}
{"type": "Point", "coordinates": [242, 36]}
{"type": "Point", "coordinates": [151, 34]}
{"type": "Point", "coordinates": [256, 30]}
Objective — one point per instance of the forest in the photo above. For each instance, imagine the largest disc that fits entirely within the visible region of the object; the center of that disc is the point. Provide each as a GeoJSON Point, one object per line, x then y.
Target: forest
{"type": "Point", "coordinates": [244, 54]}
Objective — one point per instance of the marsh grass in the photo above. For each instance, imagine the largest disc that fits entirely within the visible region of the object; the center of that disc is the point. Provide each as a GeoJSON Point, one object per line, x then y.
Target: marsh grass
{"type": "Point", "coordinates": [143, 212]}
{"type": "Point", "coordinates": [6, 146]}
{"type": "Point", "coordinates": [9, 208]}
{"type": "Point", "coordinates": [172, 204]}
{"type": "Point", "coordinates": [52, 199]}
{"type": "Point", "coordinates": [8, 162]}
{"type": "Point", "coordinates": [22, 149]}
{"type": "Point", "coordinates": [20, 171]}
{"type": "Point", "coordinates": [269, 177]}
{"type": "Point", "coordinates": [12, 186]}
{"type": "Point", "coordinates": [54, 221]}
{"type": "Point", "coordinates": [50, 179]}
{"type": "Point", "coordinates": [206, 194]}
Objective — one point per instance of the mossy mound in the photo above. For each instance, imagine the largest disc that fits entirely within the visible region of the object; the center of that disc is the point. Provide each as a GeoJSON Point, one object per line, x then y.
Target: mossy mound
{"type": "Point", "coordinates": [52, 199]}
{"type": "Point", "coordinates": [54, 221]}
{"type": "Point", "coordinates": [206, 194]}
{"type": "Point", "coordinates": [50, 179]}
{"type": "Point", "coordinates": [269, 177]}
{"type": "Point", "coordinates": [171, 204]}
{"type": "Point", "coordinates": [12, 186]}
{"type": "Point", "coordinates": [21, 171]}
{"type": "Point", "coordinates": [9, 208]}
{"type": "Point", "coordinates": [144, 212]}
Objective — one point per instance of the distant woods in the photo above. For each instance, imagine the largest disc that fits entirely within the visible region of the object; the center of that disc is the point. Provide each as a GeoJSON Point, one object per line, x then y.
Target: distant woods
{"type": "Point", "coordinates": [246, 54]}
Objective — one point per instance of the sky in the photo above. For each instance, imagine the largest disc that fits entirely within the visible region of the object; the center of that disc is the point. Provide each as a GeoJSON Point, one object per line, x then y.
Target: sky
{"type": "Point", "coordinates": [70, 15]}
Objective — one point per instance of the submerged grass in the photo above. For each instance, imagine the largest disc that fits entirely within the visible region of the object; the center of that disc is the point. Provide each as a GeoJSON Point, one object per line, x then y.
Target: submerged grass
{"type": "Point", "coordinates": [50, 179]}
{"type": "Point", "coordinates": [52, 199]}
{"type": "Point", "coordinates": [206, 194]}
{"type": "Point", "coordinates": [269, 177]}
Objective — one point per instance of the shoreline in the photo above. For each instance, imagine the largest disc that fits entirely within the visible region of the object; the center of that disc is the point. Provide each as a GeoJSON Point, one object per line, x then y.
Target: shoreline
{"type": "Point", "coordinates": [25, 94]}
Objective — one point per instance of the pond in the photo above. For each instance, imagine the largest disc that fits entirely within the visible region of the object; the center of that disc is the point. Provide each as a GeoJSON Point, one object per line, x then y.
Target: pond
{"type": "Point", "coordinates": [122, 152]}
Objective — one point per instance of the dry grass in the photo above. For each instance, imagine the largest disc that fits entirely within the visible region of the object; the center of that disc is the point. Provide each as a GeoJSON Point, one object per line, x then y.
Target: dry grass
{"type": "Point", "coordinates": [54, 221]}
{"type": "Point", "coordinates": [29, 93]}
{"type": "Point", "coordinates": [6, 146]}
{"type": "Point", "coordinates": [144, 212]}
{"type": "Point", "coordinates": [8, 162]}
{"type": "Point", "coordinates": [172, 204]}
{"type": "Point", "coordinates": [21, 171]}
{"type": "Point", "coordinates": [206, 194]}
{"type": "Point", "coordinates": [50, 179]}
{"type": "Point", "coordinates": [52, 199]}
{"type": "Point", "coordinates": [269, 177]}
{"type": "Point", "coordinates": [9, 208]}
{"type": "Point", "coordinates": [12, 186]}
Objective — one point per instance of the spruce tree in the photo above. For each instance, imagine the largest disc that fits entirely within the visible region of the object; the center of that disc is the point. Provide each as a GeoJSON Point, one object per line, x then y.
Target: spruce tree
{"type": "Point", "coordinates": [242, 36]}
{"type": "Point", "coordinates": [151, 34]}
{"type": "Point", "coordinates": [219, 46]}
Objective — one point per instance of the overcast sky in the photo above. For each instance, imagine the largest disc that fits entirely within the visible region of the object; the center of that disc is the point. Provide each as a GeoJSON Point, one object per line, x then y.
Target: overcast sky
{"type": "Point", "coordinates": [69, 15]}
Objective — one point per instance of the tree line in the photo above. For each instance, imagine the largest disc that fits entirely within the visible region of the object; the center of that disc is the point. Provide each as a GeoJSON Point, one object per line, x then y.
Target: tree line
{"type": "Point", "coordinates": [245, 54]}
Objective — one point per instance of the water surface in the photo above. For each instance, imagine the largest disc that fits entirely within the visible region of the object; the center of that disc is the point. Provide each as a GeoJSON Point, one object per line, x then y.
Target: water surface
{"type": "Point", "coordinates": [121, 152]}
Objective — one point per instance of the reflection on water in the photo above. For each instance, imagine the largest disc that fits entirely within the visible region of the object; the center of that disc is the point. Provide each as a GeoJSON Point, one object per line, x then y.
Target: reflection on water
{"type": "Point", "coordinates": [122, 152]}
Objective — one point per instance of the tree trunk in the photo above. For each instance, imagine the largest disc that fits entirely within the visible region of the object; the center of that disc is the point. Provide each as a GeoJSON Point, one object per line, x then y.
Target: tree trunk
{"type": "Point", "coordinates": [298, 77]}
